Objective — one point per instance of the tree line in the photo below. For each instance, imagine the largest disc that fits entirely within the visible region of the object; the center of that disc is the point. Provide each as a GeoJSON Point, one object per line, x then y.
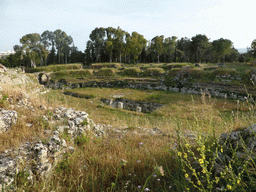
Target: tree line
{"type": "Point", "coordinates": [51, 47]}
{"type": "Point", "coordinates": [110, 44]}
{"type": "Point", "coordinates": [116, 45]}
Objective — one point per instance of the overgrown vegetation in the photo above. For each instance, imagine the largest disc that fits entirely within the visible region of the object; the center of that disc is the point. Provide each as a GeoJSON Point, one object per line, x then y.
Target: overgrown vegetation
{"type": "Point", "coordinates": [181, 159]}
{"type": "Point", "coordinates": [54, 68]}
{"type": "Point", "coordinates": [135, 162]}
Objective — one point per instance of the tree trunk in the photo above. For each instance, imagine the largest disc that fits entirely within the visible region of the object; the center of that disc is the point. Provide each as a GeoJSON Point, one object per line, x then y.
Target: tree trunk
{"type": "Point", "coordinates": [110, 59]}
{"type": "Point", "coordinates": [66, 58]}
{"type": "Point", "coordinates": [33, 63]}
{"type": "Point", "coordinates": [120, 57]}
{"type": "Point", "coordinates": [158, 58]}
{"type": "Point", "coordinates": [59, 56]}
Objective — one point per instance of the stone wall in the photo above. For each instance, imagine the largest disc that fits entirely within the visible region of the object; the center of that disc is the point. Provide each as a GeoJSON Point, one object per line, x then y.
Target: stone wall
{"type": "Point", "coordinates": [222, 90]}
{"type": "Point", "coordinates": [132, 105]}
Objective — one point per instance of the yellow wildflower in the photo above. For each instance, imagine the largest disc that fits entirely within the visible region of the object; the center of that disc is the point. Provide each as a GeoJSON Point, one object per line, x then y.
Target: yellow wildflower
{"type": "Point", "coordinates": [229, 187]}
{"type": "Point", "coordinates": [179, 154]}
{"type": "Point", "coordinates": [221, 150]}
{"type": "Point", "coordinates": [187, 145]}
{"type": "Point", "coordinates": [199, 182]}
{"type": "Point", "coordinates": [238, 181]}
{"type": "Point", "coordinates": [185, 155]}
{"type": "Point", "coordinates": [186, 175]}
{"type": "Point", "coordinates": [201, 161]}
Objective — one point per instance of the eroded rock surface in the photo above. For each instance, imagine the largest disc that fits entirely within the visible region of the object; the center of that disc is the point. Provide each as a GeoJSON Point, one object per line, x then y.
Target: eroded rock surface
{"type": "Point", "coordinates": [35, 160]}
{"type": "Point", "coordinates": [7, 119]}
{"type": "Point", "coordinates": [241, 143]}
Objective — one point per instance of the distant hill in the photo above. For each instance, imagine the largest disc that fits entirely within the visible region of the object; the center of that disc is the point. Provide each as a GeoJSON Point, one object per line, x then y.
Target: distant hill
{"type": "Point", "coordinates": [242, 50]}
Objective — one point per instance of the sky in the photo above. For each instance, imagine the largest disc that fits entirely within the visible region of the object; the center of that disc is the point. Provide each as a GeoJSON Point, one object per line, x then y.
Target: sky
{"type": "Point", "coordinates": [228, 19]}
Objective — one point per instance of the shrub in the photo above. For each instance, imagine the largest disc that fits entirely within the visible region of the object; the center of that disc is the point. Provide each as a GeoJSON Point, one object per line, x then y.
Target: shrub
{"type": "Point", "coordinates": [72, 73]}
{"type": "Point", "coordinates": [153, 72]}
{"type": "Point", "coordinates": [81, 139]}
{"type": "Point", "coordinates": [170, 66]}
{"type": "Point", "coordinates": [106, 72]}
{"type": "Point", "coordinates": [105, 65]}
{"type": "Point", "coordinates": [225, 72]}
{"type": "Point", "coordinates": [54, 68]}
{"type": "Point", "coordinates": [195, 73]}
{"type": "Point", "coordinates": [132, 71]}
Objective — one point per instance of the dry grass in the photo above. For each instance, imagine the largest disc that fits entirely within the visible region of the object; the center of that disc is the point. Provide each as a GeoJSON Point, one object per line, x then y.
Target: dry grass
{"type": "Point", "coordinates": [97, 162]}
{"type": "Point", "coordinates": [20, 132]}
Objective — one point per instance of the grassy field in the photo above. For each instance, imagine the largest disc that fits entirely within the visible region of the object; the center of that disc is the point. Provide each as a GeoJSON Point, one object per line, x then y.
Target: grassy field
{"type": "Point", "coordinates": [135, 162]}
{"type": "Point", "coordinates": [182, 160]}
{"type": "Point", "coordinates": [233, 74]}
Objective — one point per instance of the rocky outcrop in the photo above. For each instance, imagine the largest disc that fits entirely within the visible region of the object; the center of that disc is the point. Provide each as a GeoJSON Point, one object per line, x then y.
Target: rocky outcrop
{"type": "Point", "coordinates": [7, 119]}
{"type": "Point", "coordinates": [239, 144]}
{"type": "Point", "coordinates": [77, 122]}
{"type": "Point", "coordinates": [13, 77]}
{"type": "Point", "coordinates": [2, 68]}
{"type": "Point", "coordinates": [33, 160]}
{"type": "Point", "coordinates": [43, 78]}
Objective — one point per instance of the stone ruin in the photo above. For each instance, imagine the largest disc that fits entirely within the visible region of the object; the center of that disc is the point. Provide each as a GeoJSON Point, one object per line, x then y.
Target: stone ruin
{"type": "Point", "coordinates": [2, 68]}
{"type": "Point", "coordinates": [132, 105]}
{"type": "Point", "coordinates": [241, 143]}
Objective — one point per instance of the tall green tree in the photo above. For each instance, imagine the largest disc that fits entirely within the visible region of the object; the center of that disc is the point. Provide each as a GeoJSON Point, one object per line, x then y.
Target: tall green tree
{"type": "Point", "coordinates": [222, 47]}
{"type": "Point", "coordinates": [62, 42]}
{"type": "Point", "coordinates": [48, 39]}
{"type": "Point", "coordinates": [199, 45]}
{"type": "Point", "coordinates": [253, 49]}
{"type": "Point", "coordinates": [35, 51]}
{"type": "Point", "coordinates": [119, 44]}
{"type": "Point", "coordinates": [169, 48]}
{"type": "Point", "coordinates": [110, 42]}
{"type": "Point", "coordinates": [136, 43]}
{"type": "Point", "coordinates": [89, 52]}
{"type": "Point", "coordinates": [97, 37]}
{"type": "Point", "coordinates": [183, 45]}
{"type": "Point", "coordinates": [157, 45]}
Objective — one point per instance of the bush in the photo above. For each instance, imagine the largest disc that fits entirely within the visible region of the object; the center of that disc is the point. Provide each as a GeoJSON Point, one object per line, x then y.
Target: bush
{"type": "Point", "coordinates": [170, 66]}
{"type": "Point", "coordinates": [106, 65]}
{"type": "Point", "coordinates": [54, 68]}
{"type": "Point", "coordinates": [225, 72]}
{"type": "Point", "coordinates": [153, 71]}
{"type": "Point", "coordinates": [106, 72]}
{"type": "Point", "coordinates": [132, 71]}
{"type": "Point", "coordinates": [72, 73]}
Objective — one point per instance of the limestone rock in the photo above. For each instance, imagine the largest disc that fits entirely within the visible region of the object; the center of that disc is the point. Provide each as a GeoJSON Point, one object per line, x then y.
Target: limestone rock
{"type": "Point", "coordinates": [7, 119]}
{"type": "Point", "coordinates": [43, 78]}
{"type": "Point", "coordinates": [2, 68]}
{"type": "Point", "coordinates": [242, 141]}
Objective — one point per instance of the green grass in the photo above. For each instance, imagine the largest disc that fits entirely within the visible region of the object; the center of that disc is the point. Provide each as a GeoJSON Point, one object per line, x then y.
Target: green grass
{"type": "Point", "coordinates": [105, 65]}
{"type": "Point", "coordinates": [54, 68]}
{"type": "Point", "coordinates": [72, 74]}
{"type": "Point", "coordinates": [137, 160]}
{"type": "Point", "coordinates": [133, 162]}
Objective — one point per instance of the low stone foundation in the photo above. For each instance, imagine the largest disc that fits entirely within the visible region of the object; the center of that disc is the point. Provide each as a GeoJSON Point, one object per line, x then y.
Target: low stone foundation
{"type": "Point", "coordinates": [132, 105]}
{"type": "Point", "coordinates": [216, 90]}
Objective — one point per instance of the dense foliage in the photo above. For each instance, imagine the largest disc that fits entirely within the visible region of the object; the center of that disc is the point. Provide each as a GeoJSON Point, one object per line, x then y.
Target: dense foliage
{"type": "Point", "coordinates": [116, 45]}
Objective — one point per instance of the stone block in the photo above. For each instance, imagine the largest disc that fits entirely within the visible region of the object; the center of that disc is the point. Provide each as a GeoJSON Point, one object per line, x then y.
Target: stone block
{"type": "Point", "coordinates": [120, 105]}
{"type": "Point", "coordinates": [138, 109]}
{"type": "Point", "coordinates": [183, 90]}
{"type": "Point", "coordinates": [175, 90]}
